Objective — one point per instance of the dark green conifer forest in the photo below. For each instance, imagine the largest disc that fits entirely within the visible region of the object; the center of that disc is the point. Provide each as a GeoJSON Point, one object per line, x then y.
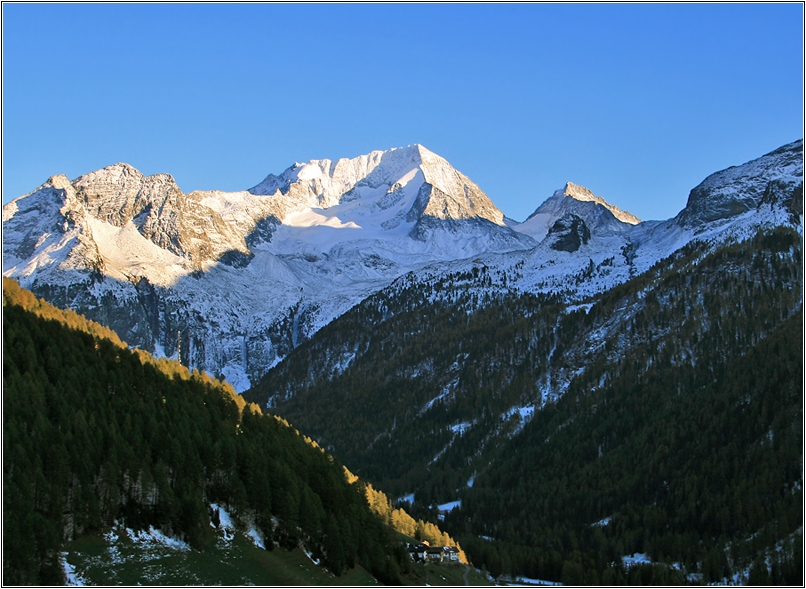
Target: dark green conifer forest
{"type": "Point", "coordinates": [94, 433]}
{"type": "Point", "coordinates": [706, 473]}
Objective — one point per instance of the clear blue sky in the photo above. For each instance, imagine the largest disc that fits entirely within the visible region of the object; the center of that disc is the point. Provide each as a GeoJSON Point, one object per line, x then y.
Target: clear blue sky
{"type": "Point", "coordinates": [637, 102]}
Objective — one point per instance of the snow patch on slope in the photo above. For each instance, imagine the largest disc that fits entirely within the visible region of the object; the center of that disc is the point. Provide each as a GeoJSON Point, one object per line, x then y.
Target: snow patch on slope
{"type": "Point", "coordinates": [126, 253]}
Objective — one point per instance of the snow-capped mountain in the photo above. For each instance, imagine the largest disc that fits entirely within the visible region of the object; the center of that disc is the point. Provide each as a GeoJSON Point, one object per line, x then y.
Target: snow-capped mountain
{"type": "Point", "coordinates": [596, 212]}
{"type": "Point", "coordinates": [432, 383]}
{"type": "Point", "coordinates": [241, 278]}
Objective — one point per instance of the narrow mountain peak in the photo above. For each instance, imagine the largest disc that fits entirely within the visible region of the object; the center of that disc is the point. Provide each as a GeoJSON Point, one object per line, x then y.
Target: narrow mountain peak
{"type": "Point", "coordinates": [59, 181]}
{"type": "Point", "coordinates": [579, 192]}
{"type": "Point", "coordinates": [422, 150]}
{"type": "Point", "coordinates": [583, 194]}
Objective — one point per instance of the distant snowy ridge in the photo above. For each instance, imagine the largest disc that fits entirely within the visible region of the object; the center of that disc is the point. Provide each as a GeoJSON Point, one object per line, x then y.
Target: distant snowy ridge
{"type": "Point", "coordinates": [235, 280]}
{"type": "Point", "coordinates": [599, 216]}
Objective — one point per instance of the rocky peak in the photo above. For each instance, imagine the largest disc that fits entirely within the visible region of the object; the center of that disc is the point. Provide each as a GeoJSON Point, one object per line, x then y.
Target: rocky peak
{"type": "Point", "coordinates": [120, 195]}
{"type": "Point", "coordinates": [599, 216]}
{"type": "Point", "coordinates": [59, 182]}
{"type": "Point", "coordinates": [117, 194]}
{"type": "Point", "coordinates": [451, 194]}
{"type": "Point", "coordinates": [582, 194]}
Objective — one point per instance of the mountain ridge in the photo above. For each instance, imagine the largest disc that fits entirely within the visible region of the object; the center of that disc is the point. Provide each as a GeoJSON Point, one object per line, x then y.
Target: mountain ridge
{"type": "Point", "coordinates": [709, 202]}
{"type": "Point", "coordinates": [241, 278]}
{"type": "Point", "coordinates": [406, 329]}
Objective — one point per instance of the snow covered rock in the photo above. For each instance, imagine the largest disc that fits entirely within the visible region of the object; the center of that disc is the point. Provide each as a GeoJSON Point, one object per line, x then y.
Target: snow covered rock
{"type": "Point", "coordinates": [739, 189]}
{"type": "Point", "coordinates": [600, 216]}
{"type": "Point", "coordinates": [230, 282]}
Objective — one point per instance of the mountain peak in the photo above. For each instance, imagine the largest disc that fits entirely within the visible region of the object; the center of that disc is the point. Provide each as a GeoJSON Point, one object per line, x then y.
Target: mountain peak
{"type": "Point", "coordinates": [579, 192]}
{"type": "Point", "coordinates": [583, 194]}
{"type": "Point", "coordinates": [59, 181]}
{"type": "Point", "coordinates": [447, 194]}
{"type": "Point", "coordinates": [411, 177]}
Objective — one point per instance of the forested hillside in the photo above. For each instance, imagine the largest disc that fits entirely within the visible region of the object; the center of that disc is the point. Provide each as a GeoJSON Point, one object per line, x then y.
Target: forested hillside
{"type": "Point", "coordinates": [437, 355]}
{"type": "Point", "coordinates": [94, 433]}
{"type": "Point", "coordinates": [665, 409]}
{"type": "Point", "coordinates": [698, 467]}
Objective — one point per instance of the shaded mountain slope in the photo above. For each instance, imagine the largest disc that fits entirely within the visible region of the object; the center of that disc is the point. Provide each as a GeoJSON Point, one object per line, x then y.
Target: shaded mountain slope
{"type": "Point", "coordinates": [699, 468]}
{"type": "Point", "coordinates": [438, 400]}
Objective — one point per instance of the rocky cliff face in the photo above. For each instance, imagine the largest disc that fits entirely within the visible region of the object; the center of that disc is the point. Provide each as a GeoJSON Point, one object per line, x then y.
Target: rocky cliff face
{"type": "Point", "coordinates": [569, 232]}
{"type": "Point", "coordinates": [176, 222]}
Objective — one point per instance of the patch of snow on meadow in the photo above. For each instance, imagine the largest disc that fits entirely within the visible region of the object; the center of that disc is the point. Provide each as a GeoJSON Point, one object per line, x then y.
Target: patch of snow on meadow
{"type": "Point", "coordinates": [72, 579]}
{"type": "Point", "coordinates": [528, 581]}
{"type": "Point", "coordinates": [255, 536]}
{"type": "Point", "coordinates": [315, 561]}
{"type": "Point", "coordinates": [114, 552]}
{"type": "Point", "coordinates": [224, 522]}
{"type": "Point", "coordinates": [154, 537]}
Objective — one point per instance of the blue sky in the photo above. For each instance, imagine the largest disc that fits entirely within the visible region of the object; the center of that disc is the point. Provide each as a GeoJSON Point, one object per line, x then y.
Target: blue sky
{"type": "Point", "coordinates": [637, 102]}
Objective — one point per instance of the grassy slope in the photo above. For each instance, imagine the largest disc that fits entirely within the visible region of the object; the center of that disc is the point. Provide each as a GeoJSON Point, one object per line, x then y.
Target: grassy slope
{"type": "Point", "coordinates": [97, 561]}
{"type": "Point", "coordinates": [113, 559]}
